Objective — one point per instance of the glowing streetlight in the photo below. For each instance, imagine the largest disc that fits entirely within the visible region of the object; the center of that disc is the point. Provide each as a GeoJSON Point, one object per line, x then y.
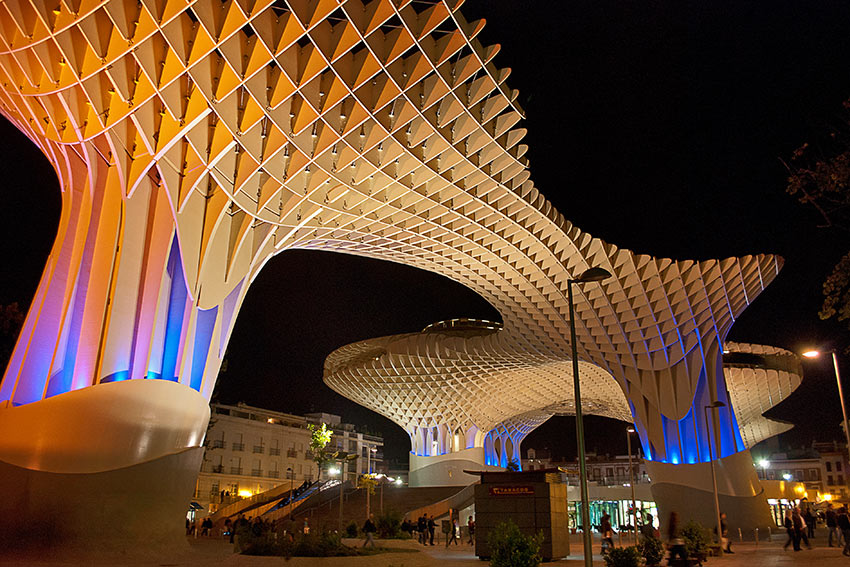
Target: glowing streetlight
{"type": "Point", "coordinates": [764, 463]}
{"type": "Point", "coordinates": [815, 354]}
{"type": "Point", "coordinates": [591, 275]}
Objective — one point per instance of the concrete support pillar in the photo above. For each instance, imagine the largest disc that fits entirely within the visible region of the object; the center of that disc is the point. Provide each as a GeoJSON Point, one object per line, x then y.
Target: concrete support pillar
{"type": "Point", "coordinates": [105, 471]}
{"type": "Point", "coordinates": [687, 489]}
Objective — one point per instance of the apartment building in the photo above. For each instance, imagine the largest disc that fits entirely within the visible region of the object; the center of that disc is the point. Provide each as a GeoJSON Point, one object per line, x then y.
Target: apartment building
{"type": "Point", "coordinates": [250, 450]}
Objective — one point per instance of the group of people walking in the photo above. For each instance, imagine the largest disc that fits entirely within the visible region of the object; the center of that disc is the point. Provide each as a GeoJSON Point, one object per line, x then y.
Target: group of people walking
{"type": "Point", "coordinates": [799, 525]}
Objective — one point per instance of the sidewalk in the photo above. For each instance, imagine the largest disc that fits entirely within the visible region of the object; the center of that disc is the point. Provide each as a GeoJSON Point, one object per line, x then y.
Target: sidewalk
{"type": "Point", "coordinates": [219, 553]}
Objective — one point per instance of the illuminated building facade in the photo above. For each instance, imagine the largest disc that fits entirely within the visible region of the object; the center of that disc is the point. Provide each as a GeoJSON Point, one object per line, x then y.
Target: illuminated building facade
{"type": "Point", "coordinates": [250, 450]}
{"type": "Point", "coordinates": [194, 140]}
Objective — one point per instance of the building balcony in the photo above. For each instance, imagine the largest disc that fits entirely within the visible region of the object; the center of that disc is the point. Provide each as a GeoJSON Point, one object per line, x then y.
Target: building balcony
{"type": "Point", "coordinates": [274, 451]}
{"type": "Point", "coordinates": [219, 469]}
{"type": "Point", "coordinates": [217, 444]}
{"type": "Point", "coordinates": [291, 453]}
{"type": "Point", "coordinates": [256, 472]}
{"type": "Point", "coordinates": [236, 470]}
{"type": "Point", "coordinates": [273, 474]}
{"type": "Point", "coordinates": [239, 446]}
{"type": "Point", "coordinates": [259, 449]}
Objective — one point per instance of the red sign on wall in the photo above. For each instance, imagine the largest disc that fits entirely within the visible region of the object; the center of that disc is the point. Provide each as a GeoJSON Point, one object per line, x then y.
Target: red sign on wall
{"type": "Point", "coordinates": [511, 491]}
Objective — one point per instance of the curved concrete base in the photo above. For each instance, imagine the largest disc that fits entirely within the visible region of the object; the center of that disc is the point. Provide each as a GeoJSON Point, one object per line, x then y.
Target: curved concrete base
{"type": "Point", "coordinates": [133, 512]}
{"type": "Point", "coordinates": [688, 490]}
{"type": "Point", "coordinates": [447, 470]}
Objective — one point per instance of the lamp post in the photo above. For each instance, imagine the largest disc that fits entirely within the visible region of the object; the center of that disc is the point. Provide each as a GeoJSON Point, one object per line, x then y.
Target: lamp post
{"type": "Point", "coordinates": [591, 275]}
{"type": "Point", "coordinates": [291, 474]}
{"type": "Point", "coordinates": [710, 427]}
{"type": "Point", "coordinates": [372, 451]}
{"type": "Point", "coordinates": [369, 497]}
{"type": "Point", "coordinates": [629, 431]}
{"type": "Point", "coordinates": [333, 472]}
{"type": "Point", "coordinates": [816, 354]}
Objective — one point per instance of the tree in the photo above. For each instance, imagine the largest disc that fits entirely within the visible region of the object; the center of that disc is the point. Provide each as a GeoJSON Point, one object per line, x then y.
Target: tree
{"type": "Point", "coordinates": [821, 178]}
{"type": "Point", "coordinates": [319, 439]}
{"type": "Point", "coordinates": [513, 465]}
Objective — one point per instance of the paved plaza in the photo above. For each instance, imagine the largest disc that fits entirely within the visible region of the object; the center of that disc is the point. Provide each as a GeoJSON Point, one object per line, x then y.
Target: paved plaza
{"type": "Point", "coordinates": [218, 553]}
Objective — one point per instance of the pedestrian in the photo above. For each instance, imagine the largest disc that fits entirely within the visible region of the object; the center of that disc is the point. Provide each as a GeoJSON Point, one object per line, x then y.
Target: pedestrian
{"type": "Point", "coordinates": [832, 525]}
{"type": "Point", "coordinates": [811, 521]}
{"type": "Point", "coordinates": [369, 529]}
{"type": "Point", "coordinates": [607, 532]}
{"type": "Point", "coordinates": [843, 522]}
{"type": "Point", "coordinates": [454, 527]}
{"type": "Point", "coordinates": [422, 528]}
{"type": "Point", "coordinates": [800, 530]}
{"type": "Point", "coordinates": [725, 541]}
{"type": "Point", "coordinates": [789, 529]}
{"type": "Point", "coordinates": [432, 527]}
{"type": "Point", "coordinates": [647, 530]}
{"type": "Point", "coordinates": [470, 524]}
{"type": "Point", "coordinates": [675, 541]}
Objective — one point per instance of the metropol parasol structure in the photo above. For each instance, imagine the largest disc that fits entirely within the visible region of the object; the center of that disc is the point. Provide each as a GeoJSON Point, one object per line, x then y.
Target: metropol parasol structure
{"type": "Point", "coordinates": [195, 139]}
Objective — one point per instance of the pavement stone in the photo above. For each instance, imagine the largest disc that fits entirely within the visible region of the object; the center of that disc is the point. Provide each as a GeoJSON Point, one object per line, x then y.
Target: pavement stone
{"type": "Point", "coordinates": [219, 553]}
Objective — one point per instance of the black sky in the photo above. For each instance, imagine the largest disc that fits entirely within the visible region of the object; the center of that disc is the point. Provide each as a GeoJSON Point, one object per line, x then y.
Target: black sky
{"type": "Point", "coordinates": [658, 126]}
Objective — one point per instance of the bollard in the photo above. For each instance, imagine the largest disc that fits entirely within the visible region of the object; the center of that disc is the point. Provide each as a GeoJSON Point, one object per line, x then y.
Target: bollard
{"type": "Point", "coordinates": [740, 535]}
{"type": "Point", "coordinates": [757, 538]}
{"type": "Point", "coordinates": [769, 533]}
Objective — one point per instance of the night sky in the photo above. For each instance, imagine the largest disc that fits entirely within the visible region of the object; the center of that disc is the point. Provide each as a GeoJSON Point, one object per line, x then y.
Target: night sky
{"type": "Point", "coordinates": [657, 126]}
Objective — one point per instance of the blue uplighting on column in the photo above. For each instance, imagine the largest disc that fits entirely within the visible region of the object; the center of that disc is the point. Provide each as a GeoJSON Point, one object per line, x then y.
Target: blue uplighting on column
{"type": "Point", "coordinates": [204, 326]}
{"type": "Point", "coordinates": [176, 311]}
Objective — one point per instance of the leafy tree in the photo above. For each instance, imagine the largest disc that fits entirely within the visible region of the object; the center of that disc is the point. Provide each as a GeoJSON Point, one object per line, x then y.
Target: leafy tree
{"type": "Point", "coordinates": [821, 178]}
{"type": "Point", "coordinates": [513, 466]}
{"type": "Point", "coordinates": [319, 439]}
{"type": "Point", "coordinates": [369, 482]}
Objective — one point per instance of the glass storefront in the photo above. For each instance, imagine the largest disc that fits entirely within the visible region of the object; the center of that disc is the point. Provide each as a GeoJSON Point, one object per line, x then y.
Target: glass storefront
{"type": "Point", "coordinates": [619, 510]}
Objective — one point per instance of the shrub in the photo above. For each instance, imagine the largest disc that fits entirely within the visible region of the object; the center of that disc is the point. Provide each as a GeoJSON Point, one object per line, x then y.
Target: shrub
{"type": "Point", "coordinates": [351, 529]}
{"type": "Point", "coordinates": [697, 540]}
{"type": "Point", "coordinates": [262, 543]}
{"type": "Point", "coordinates": [389, 525]}
{"type": "Point", "coordinates": [327, 544]}
{"type": "Point", "coordinates": [652, 550]}
{"type": "Point", "coordinates": [509, 547]}
{"type": "Point", "coordinates": [623, 557]}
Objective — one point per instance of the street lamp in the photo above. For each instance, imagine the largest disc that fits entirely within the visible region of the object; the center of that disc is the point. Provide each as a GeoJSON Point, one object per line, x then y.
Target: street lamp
{"type": "Point", "coordinates": [333, 472]}
{"type": "Point", "coordinates": [764, 463]}
{"type": "Point", "coordinates": [629, 431]}
{"type": "Point", "coordinates": [591, 275]}
{"type": "Point", "coordinates": [710, 427]}
{"type": "Point", "coordinates": [816, 354]}
{"type": "Point", "coordinates": [369, 453]}
{"type": "Point", "coordinates": [291, 474]}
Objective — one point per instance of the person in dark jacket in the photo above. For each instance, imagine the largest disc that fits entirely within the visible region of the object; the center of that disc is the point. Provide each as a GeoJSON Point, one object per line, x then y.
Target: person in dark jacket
{"type": "Point", "coordinates": [369, 529]}
{"type": "Point", "coordinates": [432, 528]}
{"type": "Point", "coordinates": [422, 528]}
{"type": "Point", "coordinates": [843, 522]}
{"type": "Point", "coordinates": [789, 529]}
{"type": "Point", "coordinates": [832, 525]}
